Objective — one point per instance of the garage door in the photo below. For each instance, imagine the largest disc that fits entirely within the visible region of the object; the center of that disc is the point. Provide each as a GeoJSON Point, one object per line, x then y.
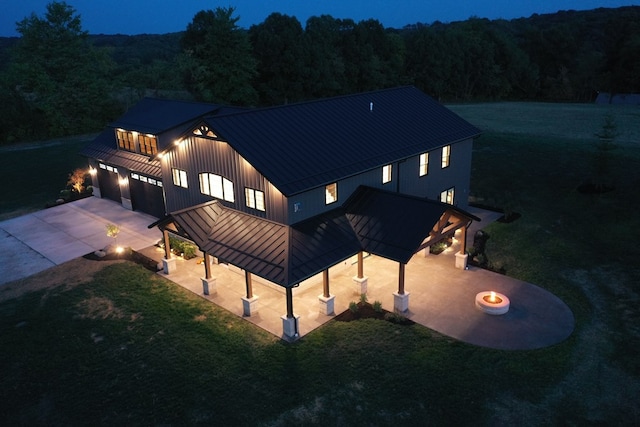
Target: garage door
{"type": "Point", "coordinates": [147, 195]}
{"type": "Point", "coordinates": [108, 181]}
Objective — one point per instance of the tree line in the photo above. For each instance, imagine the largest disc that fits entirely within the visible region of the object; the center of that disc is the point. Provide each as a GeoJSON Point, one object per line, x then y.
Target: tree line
{"type": "Point", "coordinates": [59, 80]}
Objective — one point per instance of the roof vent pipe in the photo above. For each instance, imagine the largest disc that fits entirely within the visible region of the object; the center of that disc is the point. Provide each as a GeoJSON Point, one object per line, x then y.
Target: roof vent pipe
{"type": "Point", "coordinates": [371, 106]}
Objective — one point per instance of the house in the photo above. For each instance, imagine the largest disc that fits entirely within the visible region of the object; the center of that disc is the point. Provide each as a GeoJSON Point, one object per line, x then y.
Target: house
{"type": "Point", "coordinates": [284, 193]}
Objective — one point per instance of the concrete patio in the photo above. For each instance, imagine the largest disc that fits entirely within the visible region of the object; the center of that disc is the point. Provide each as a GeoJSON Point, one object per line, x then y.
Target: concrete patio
{"type": "Point", "coordinates": [441, 297]}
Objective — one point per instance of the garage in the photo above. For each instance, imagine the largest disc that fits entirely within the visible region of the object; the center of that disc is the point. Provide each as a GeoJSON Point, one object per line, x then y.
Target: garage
{"type": "Point", "coordinates": [109, 186]}
{"type": "Point", "coordinates": [147, 195]}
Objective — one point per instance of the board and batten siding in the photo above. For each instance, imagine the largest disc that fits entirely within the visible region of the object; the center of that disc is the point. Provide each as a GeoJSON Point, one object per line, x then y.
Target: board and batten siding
{"type": "Point", "coordinates": [200, 155]}
{"type": "Point", "coordinates": [405, 180]}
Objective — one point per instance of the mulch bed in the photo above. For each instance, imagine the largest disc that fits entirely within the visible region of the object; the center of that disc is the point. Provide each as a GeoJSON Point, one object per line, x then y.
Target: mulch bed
{"type": "Point", "coordinates": [366, 311]}
{"type": "Point", "coordinates": [129, 255]}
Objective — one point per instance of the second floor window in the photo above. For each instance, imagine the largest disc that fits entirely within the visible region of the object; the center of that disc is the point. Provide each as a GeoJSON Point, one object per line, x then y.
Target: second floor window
{"type": "Point", "coordinates": [330, 193]}
{"type": "Point", "coordinates": [386, 174]}
{"type": "Point", "coordinates": [148, 144]}
{"type": "Point", "coordinates": [424, 164]}
{"type": "Point", "coordinates": [179, 178]}
{"type": "Point", "coordinates": [446, 156]}
{"type": "Point", "coordinates": [126, 140]}
{"type": "Point", "coordinates": [216, 186]}
{"type": "Point", "coordinates": [254, 198]}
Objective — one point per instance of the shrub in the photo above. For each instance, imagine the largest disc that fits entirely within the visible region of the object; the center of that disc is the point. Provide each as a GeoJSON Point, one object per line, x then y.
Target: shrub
{"type": "Point", "coordinates": [377, 306]}
{"type": "Point", "coordinates": [363, 298]}
{"type": "Point", "coordinates": [353, 307]}
{"type": "Point", "coordinates": [179, 246]}
{"type": "Point", "coordinates": [395, 317]}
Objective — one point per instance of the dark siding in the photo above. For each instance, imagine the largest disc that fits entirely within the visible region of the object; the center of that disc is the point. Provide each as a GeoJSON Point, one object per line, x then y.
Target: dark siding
{"type": "Point", "coordinates": [199, 155]}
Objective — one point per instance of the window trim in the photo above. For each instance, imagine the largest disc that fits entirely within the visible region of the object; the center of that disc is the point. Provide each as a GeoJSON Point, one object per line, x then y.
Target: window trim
{"type": "Point", "coordinates": [449, 191]}
{"type": "Point", "coordinates": [446, 156]}
{"type": "Point", "coordinates": [254, 199]}
{"type": "Point", "coordinates": [423, 164]}
{"type": "Point", "coordinates": [179, 178]}
{"type": "Point", "coordinates": [387, 173]}
{"type": "Point", "coordinates": [331, 193]}
{"type": "Point", "coordinates": [216, 186]}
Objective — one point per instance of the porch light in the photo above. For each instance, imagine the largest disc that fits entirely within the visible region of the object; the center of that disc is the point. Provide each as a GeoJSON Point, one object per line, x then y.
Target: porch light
{"type": "Point", "coordinates": [119, 250]}
{"type": "Point", "coordinates": [123, 181]}
{"type": "Point", "coordinates": [92, 171]}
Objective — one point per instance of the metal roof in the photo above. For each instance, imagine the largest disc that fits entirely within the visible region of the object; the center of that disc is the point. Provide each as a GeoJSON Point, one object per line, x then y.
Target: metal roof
{"type": "Point", "coordinates": [281, 254]}
{"type": "Point", "coordinates": [103, 148]}
{"type": "Point", "coordinates": [394, 225]}
{"type": "Point", "coordinates": [154, 116]}
{"type": "Point", "coordinates": [306, 145]}
{"type": "Point", "coordinates": [388, 224]}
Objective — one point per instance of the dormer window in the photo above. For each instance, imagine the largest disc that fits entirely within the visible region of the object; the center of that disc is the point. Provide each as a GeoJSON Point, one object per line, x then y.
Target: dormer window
{"type": "Point", "coordinates": [148, 144]}
{"type": "Point", "coordinates": [126, 140]}
{"type": "Point", "coordinates": [137, 143]}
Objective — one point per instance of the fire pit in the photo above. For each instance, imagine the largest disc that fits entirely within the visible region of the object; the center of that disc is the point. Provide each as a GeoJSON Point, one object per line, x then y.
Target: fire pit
{"type": "Point", "coordinates": [492, 302]}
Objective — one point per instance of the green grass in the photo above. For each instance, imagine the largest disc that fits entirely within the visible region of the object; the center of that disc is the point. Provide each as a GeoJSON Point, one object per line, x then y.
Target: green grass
{"type": "Point", "coordinates": [35, 173]}
{"type": "Point", "coordinates": [128, 347]}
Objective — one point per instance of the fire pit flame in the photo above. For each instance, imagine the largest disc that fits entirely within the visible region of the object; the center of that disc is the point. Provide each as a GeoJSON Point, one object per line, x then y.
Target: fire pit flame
{"type": "Point", "coordinates": [492, 302]}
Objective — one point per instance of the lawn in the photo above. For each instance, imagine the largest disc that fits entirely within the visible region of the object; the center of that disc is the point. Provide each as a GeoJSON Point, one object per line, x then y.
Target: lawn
{"type": "Point", "coordinates": [125, 346]}
{"type": "Point", "coordinates": [34, 173]}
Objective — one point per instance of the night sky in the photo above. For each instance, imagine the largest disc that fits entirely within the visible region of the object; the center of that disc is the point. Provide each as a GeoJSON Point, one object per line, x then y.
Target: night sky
{"type": "Point", "coordinates": [166, 16]}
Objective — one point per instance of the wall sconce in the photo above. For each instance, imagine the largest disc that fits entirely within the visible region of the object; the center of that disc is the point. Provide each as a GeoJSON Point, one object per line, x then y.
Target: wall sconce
{"type": "Point", "coordinates": [92, 171]}
{"type": "Point", "coordinates": [123, 181]}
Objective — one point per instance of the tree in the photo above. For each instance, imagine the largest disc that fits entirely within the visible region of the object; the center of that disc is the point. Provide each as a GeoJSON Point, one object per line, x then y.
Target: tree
{"type": "Point", "coordinates": [277, 46]}
{"type": "Point", "coordinates": [77, 179]}
{"type": "Point", "coordinates": [58, 72]}
{"type": "Point", "coordinates": [217, 61]}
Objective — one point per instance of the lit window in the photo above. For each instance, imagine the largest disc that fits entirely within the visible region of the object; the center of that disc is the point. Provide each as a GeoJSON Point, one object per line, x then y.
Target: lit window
{"type": "Point", "coordinates": [386, 174]}
{"type": "Point", "coordinates": [152, 181]}
{"type": "Point", "coordinates": [179, 178]}
{"type": "Point", "coordinates": [331, 193]}
{"type": "Point", "coordinates": [216, 186]}
{"type": "Point", "coordinates": [143, 178]}
{"type": "Point", "coordinates": [148, 144]}
{"type": "Point", "coordinates": [159, 183]}
{"type": "Point", "coordinates": [424, 164]}
{"type": "Point", "coordinates": [447, 196]}
{"type": "Point", "coordinates": [125, 140]}
{"type": "Point", "coordinates": [446, 156]}
{"type": "Point", "coordinates": [135, 176]}
{"type": "Point", "coordinates": [254, 198]}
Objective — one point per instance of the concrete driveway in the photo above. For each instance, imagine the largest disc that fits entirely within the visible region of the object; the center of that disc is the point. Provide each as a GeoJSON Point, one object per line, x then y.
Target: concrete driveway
{"type": "Point", "coordinates": [34, 242]}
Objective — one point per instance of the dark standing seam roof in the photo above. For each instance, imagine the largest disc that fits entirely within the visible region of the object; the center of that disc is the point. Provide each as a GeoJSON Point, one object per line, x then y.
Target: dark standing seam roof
{"type": "Point", "coordinates": [383, 223]}
{"type": "Point", "coordinates": [154, 116]}
{"type": "Point", "coordinates": [302, 146]}
{"type": "Point", "coordinates": [393, 225]}
{"type": "Point", "coordinates": [103, 148]}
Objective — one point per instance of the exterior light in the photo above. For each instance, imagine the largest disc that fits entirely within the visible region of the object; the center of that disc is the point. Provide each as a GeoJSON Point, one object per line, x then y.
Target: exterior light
{"type": "Point", "coordinates": [123, 181]}
{"type": "Point", "coordinates": [119, 249]}
{"type": "Point", "coordinates": [160, 155]}
{"type": "Point", "coordinates": [92, 171]}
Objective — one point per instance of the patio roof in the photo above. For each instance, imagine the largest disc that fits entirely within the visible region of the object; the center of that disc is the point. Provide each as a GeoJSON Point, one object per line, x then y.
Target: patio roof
{"type": "Point", "coordinates": [390, 225]}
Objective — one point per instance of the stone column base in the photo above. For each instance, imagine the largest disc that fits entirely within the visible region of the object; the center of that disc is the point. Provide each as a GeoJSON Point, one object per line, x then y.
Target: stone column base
{"type": "Point", "coordinates": [169, 265]}
{"type": "Point", "coordinates": [327, 304]}
{"type": "Point", "coordinates": [208, 285]}
{"type": "Point", "coordinates": [249, 306]}
{"type": "Point", "coordinates": [290, 326]}
{"type": "Point", "coordinates": [461, 261]}
{"type": "Point", "coordinates": [427, 251]}
{"type": "Point", "coordinates": [360, 285]}
{"type": "Point", "coordinates": [401, 302]}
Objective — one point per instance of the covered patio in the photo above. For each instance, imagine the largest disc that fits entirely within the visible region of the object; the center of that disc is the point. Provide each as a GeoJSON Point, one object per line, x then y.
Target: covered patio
{"type": "Point", "coordinates": [442, 297]}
